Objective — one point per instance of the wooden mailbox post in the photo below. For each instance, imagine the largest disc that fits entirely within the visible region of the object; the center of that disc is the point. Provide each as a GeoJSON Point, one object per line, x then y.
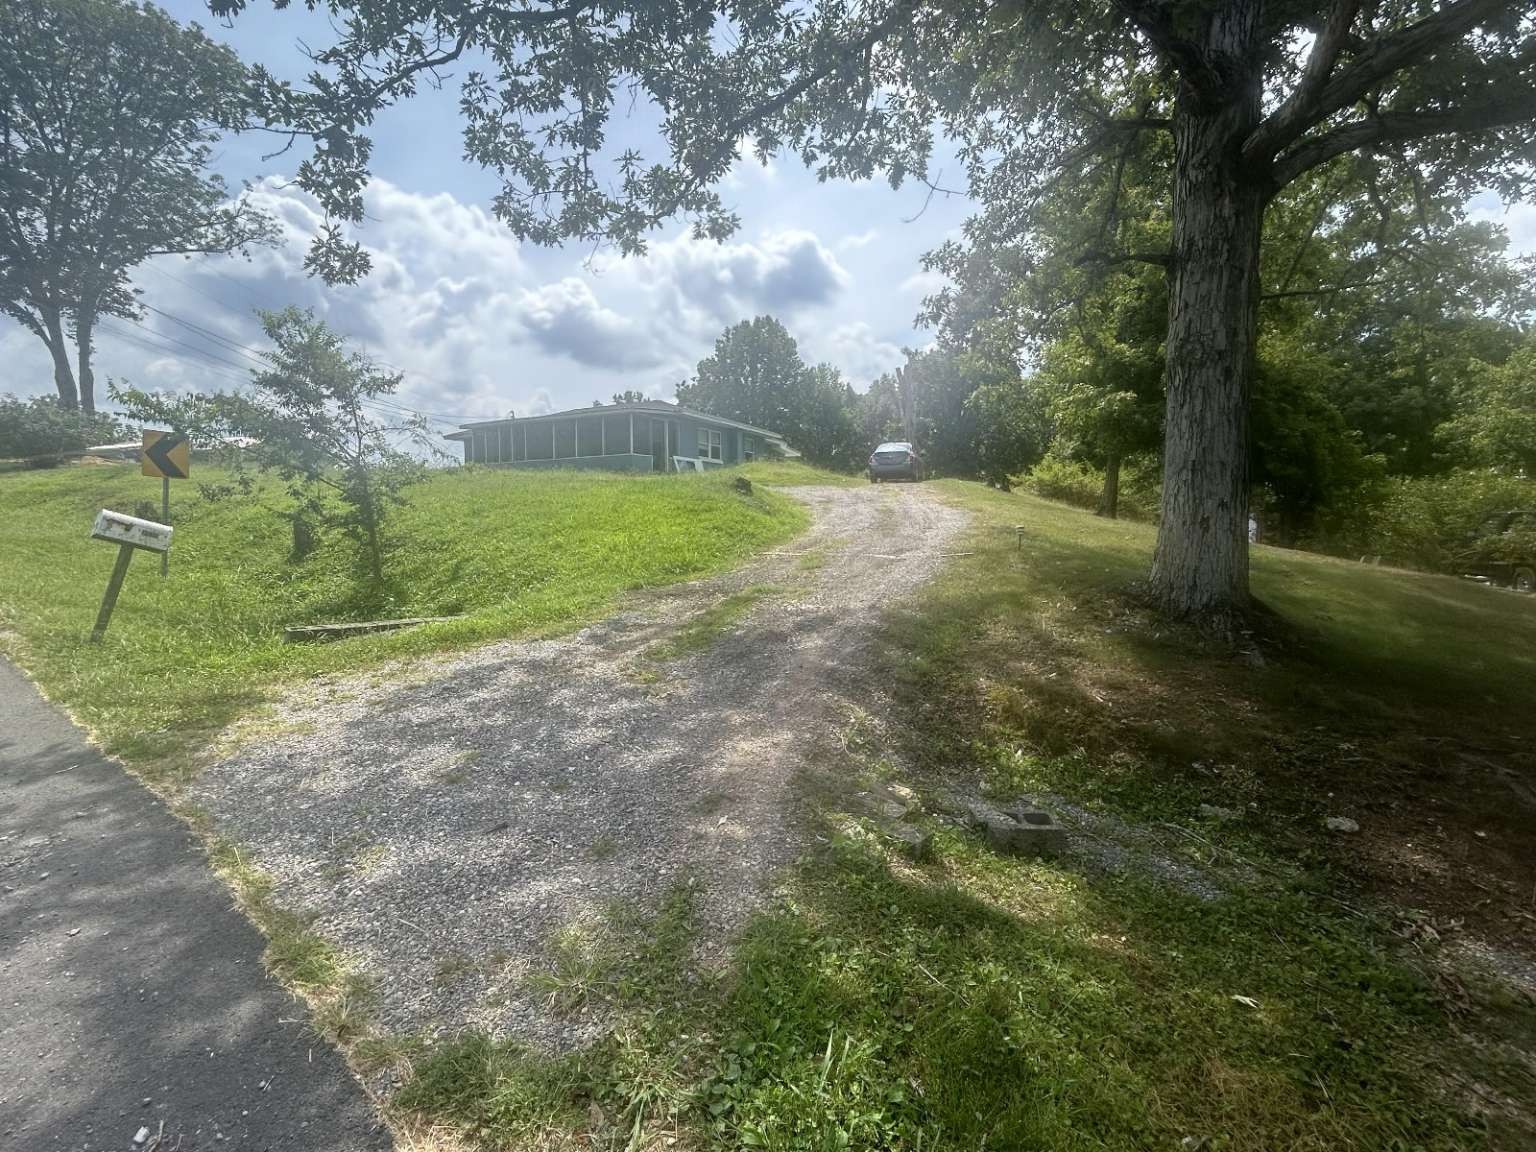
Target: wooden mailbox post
{"type": "Point", "coordinates": [128, 532]}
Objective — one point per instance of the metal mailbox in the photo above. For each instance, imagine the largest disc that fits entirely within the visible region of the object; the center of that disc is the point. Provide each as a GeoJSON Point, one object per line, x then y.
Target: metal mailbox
{"type": "Point", "coordinates": [120, 528]}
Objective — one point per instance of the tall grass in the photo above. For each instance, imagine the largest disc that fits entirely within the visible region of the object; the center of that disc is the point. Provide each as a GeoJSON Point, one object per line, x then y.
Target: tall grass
{"type": "Point", "coordinates": [512, 552]}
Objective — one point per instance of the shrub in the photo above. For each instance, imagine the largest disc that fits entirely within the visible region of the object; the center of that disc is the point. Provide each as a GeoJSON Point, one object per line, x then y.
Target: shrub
{"type": "Point", "coordinates": [1074, 482]}
{"type": "Point", "coordinates": [1424, 521]}
{"type": "Point", "coordinates": [39, 432]}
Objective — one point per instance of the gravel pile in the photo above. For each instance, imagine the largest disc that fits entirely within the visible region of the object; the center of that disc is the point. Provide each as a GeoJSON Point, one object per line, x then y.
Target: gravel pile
{"type": "Point", "coordinates": [443, 821]}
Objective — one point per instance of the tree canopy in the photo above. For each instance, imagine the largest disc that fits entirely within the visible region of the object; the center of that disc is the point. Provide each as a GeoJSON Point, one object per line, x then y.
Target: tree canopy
{"type": "Point", "coordinates": [1243, 97]}
{"type": "Point", "coordinates": [108, 113]}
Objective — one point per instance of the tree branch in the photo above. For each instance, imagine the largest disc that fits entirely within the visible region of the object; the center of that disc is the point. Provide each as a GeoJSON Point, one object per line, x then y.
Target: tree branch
{"type": "Point", "coordinates": [1155, 20]}
{"type": "Point", "coordinates": [1161, 259]}
{"type": "Point", "coordinates": [1493, 111]}
{"type": "Point", "coordinates": [1290, 119]}
{"type": "Point", "coordinates": [1378, 61]}
{"type": "Point", "coordinates": [1332, 290]}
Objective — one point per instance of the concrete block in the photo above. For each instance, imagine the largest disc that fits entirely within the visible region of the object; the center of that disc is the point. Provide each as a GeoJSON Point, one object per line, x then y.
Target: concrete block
{"type": "Point", "coordinates": [1023, 830]}
{"type": "Point", "coordinates": [915, 842]}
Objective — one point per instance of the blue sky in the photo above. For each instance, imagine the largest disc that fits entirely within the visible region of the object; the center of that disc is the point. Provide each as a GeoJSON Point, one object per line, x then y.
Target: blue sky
{"type": "Point", "coordinates": [481, 324]}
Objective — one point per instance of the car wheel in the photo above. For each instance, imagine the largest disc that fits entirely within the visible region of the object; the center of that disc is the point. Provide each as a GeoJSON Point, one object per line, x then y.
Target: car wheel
{"type": "Point", "coordinates": [1524, 581]}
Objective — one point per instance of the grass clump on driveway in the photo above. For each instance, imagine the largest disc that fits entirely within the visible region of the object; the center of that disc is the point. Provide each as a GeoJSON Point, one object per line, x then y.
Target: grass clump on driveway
{"type": "Point", "coordinates": [795, 473]}
{"type": "Point", "coordinates": [513, 552]}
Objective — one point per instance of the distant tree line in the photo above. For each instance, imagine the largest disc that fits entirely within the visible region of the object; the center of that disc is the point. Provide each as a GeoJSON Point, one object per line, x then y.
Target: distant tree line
{"type": "Point", "coordinates": [960, 408]}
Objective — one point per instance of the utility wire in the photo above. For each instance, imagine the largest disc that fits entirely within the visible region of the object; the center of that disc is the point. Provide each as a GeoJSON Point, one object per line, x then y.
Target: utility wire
{"type": "Point", "coordinates": [154, 342]}
{"type": "Point", "coordinates": [455, 418]}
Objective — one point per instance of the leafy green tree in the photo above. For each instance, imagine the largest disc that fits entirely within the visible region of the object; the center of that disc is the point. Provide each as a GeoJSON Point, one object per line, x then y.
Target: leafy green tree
{"type": "Point", "coordinates": [1104, 379]}
{"type": "Point", "coordinates": [755, 375]}
{"type": "Point", "coordinates": [1307, 465]}
{"type": "Point", "coordinates": [307, 418]}
{"type": "Point", "coordinates": [880, 409]}
{"type": "Point", "coordinates": [40, 432]}
{"type": "Point", "coordinates": [108, 113]}
{"type": "Point", "coordinates": [1496, 424]}
{"type": "Point", "coordinates": [1012, 427]}
{"type": "Point", "coordinates": [825, 420]}
{"type": "Point", "coordinates": [1252, 96]}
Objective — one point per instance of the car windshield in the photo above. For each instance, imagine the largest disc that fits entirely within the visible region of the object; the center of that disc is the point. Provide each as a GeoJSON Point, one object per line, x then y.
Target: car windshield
{"type": "Point", "coordinates": [894, 448]}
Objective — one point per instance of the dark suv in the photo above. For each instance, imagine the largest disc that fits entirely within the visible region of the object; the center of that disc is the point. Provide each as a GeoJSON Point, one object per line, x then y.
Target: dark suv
{"type": "Point", "coordinates": [1502, 551]}
{"type": "Point", "coordinates": [895, 461]}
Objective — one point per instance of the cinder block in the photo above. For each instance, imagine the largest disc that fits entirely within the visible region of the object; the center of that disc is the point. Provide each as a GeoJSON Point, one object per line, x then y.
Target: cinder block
{"type": "Point", "coordinates": [915, 842]}
{"type": "Point", "coordinates": [1023, 830]}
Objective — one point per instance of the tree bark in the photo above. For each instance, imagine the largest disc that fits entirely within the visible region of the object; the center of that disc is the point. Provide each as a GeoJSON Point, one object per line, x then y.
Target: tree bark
{"type": "Point", "coordinates": [58, 348]}
{"type": "Point", "coordinates": [1200, 567]}
{"type": "Point", "coordinates": [84, 333]}
{"type": "Point", "coordinates": [1109, 499]}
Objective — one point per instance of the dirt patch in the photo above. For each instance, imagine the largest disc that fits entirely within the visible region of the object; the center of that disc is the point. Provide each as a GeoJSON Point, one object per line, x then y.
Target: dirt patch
{"type": "Point", "coordinates": [443, 824]}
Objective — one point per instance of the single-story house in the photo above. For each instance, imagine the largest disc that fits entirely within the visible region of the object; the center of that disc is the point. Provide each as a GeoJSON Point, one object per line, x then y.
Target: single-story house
{"type": "Point", "coordinates": [650, 436]}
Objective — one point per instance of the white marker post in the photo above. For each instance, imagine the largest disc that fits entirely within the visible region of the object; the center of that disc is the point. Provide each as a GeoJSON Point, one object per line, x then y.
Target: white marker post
{"type": "Point", "coordinates": [128, 532]}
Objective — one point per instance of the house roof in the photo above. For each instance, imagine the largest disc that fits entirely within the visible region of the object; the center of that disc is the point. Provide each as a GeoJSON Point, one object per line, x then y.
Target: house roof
{"type": "Point", "coordinates": [652, 407]}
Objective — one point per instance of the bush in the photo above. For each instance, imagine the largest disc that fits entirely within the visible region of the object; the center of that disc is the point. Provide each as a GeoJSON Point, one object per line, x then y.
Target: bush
{"type": "Point", "coordinates": [1074, 482]}
{"type": "Point", "coordinates": [1424, 521]}
{"type": "Point", "coordinates": [39, 432]}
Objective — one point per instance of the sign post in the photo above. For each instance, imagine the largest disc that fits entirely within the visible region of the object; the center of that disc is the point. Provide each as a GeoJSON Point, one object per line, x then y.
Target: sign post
{"type": "Point", "coordinates": [167, 455]}
{"type": "Point", "coordinates": [128, 533]}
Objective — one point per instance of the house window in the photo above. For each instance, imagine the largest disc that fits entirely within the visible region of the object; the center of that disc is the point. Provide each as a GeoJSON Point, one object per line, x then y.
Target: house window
{"type": "Point", "coordinates": [709, 444]}
{"type": "Point", "coordinates": [748, 448]}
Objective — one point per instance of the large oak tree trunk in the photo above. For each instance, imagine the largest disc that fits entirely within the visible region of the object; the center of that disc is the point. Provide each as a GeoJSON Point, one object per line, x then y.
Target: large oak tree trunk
{"type": "Point", "coordinates": [1200, 568]}
{"type": "Point", "coordinates": [58, 348]}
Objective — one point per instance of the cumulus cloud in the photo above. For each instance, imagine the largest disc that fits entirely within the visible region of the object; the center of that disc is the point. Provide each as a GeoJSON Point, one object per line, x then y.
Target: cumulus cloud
{"type": "Point", "coordinates": [857, 349]}
{"type": "Point", "coordinates": [566, 319]}
{"type": "Point", "coordinates": [477, 323]}
{"type": "Point", "coordinates": [924, 283]}
{"type": "Point", "coordinates": [705, 285]}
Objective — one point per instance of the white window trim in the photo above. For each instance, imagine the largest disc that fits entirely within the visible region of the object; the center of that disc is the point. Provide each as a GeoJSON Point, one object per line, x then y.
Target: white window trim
{"type": "Point", "coordinates": [711, 445]}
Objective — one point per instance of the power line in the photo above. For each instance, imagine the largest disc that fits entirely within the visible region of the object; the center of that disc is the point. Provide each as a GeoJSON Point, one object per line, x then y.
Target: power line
{"type": "Point", "coordinates": [209, 334]}
{"type": "Point", "coordinates": [454, 417]}
{"type": "Point", "coordinates": [153, 341]}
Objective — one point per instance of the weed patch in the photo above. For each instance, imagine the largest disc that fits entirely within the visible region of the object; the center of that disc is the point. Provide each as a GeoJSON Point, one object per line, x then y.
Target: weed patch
{"type": "Point", "coordinates": [709, 625]}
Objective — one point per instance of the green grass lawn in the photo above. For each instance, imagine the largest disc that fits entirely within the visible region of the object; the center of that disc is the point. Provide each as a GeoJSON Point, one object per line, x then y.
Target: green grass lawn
{"type": "Point", "coordinates": [976, 1001]}
{"type": "Point", "coordinates": [794, 473]}
{"type": "Point", "coordinates": [513, 552]}
{"type": "Point", "coordinates": [970, 1001]}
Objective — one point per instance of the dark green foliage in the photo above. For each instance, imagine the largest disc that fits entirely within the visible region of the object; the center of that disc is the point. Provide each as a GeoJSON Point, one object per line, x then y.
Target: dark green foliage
{"type": "Point", "coordinates": [108, 114]}
{"type": "Point", "coordinates": [40, 432]}
{"type": "Point", "coordinates": [308, 419]}
{"type": "Point", "coordinates": [756, 376]}
{"type": "Point", "coordinates": [1495, 421]}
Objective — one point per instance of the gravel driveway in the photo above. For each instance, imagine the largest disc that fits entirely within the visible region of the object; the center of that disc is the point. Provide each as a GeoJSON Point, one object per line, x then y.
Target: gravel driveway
{"type": "Point", "coordinates": [443, 821]}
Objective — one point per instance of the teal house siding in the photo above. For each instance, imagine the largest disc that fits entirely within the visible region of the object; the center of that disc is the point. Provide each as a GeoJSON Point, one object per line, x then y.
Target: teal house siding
{"type": "Point", "coordinates": [646, 437]}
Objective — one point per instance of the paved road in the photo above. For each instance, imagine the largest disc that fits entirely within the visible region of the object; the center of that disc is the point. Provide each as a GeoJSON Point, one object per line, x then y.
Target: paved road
{"type": "Point", "coordinates": [131, 991]}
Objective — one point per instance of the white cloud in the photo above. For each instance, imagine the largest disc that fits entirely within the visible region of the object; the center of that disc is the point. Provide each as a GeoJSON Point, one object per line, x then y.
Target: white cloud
{"type": "Point", "coordinates": [1518, 219]}
{"type": "Point", "coordinates": [857, 350]}
{"type": "Point", "coordinates": [703, 285]}
{"type": "Point", "coordinates": [924, 283]}
{"type": "Point", "coordinates": [478, 323]}
{"type": "Point", "coordinates": [566, 319]}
